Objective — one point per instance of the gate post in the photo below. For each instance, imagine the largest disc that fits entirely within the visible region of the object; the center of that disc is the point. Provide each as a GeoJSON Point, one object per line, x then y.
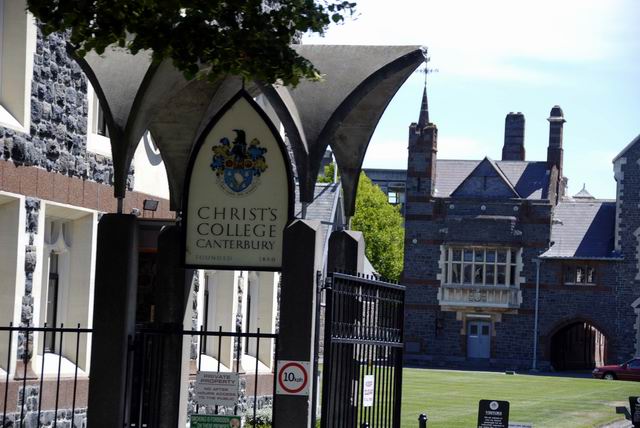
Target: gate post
{"type": "Point", "coordinates": [346, 253]}
{"type": "Point", "coordinates": [171, 293]}
{"type": "Point", "coordinates": [301, 260]}
{"type": "Point", "coordinates": [114, 316]}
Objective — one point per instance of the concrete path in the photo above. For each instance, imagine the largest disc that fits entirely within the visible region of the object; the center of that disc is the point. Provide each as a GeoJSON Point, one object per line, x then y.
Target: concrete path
{"type": "Point", "coordinates": [618, 424]}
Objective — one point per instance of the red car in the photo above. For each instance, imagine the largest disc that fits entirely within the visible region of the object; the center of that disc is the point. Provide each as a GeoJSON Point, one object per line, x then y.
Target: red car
{"type": "Point", "coordinates": [626, 371]}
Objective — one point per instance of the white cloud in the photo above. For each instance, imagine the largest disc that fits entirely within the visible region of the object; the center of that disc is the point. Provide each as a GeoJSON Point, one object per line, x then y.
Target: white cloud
{"type": "Point", "coordinates": [493, 38]}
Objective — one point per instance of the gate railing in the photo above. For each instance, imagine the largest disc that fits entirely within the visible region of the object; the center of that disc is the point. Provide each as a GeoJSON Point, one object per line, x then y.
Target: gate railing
{"type": "Point", "coordinates": [41, 381]}
{"type": "Point", "coordinates": [207, 354]}
{"type": "Point", "coordinates": [363, 352]}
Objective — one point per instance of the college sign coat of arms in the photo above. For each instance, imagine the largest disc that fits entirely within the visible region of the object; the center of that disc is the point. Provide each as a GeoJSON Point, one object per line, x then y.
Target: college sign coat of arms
{"type": "Point", "coordinates": [238, 166]}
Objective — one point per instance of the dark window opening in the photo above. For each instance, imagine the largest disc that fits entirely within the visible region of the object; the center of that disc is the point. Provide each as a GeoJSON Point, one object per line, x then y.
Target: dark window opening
{"type": "Point", "coordinates": [583, 274]}
{"type": "Point", "coordinates": [52, 302]}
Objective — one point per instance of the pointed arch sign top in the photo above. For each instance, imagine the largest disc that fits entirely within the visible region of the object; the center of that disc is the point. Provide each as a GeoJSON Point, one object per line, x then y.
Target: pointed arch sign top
{"type": "Point", "coordinates": [238, 195]}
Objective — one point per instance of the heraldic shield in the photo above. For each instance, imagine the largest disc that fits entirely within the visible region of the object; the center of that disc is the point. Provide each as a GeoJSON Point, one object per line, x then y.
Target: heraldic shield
{"type": "Point", "coordinates": [239, 191]}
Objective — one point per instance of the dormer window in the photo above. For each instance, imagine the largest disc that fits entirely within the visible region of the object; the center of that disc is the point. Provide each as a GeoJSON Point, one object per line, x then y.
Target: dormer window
{"type": "Point", "coordinates": [579, 274]}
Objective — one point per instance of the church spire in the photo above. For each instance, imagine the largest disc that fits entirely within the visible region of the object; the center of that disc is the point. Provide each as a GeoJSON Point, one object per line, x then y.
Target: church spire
{"type": "Point", "coordinates": [423, 120]}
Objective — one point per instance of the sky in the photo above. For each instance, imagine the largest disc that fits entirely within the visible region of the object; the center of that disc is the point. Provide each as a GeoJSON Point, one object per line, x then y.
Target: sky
{"type": "Point", "coordinates": [498, 56]}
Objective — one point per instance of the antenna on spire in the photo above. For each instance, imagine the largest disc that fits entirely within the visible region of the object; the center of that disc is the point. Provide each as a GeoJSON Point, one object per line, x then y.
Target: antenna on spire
{"type": "Point", "coordinates": [426, 70]}
{"type": "Point", "coordinates": [423, 120]}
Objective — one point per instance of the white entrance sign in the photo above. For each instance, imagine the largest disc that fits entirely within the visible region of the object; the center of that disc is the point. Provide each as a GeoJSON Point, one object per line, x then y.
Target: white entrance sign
{"type": "Point", "coordinates": [238, 195]}
{"type": "Point", "coordinates": [368, 387]}
{"type": "Point", "coordinates": [292, 378]}
{"type": "Point", "coordinates": [217, 389]}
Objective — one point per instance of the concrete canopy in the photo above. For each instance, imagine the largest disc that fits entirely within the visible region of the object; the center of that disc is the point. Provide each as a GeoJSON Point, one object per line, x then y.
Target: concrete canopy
{"type": "Point", "coordinates": [341, 111]}
{"type": "Point", "coordinates": [137, 95]}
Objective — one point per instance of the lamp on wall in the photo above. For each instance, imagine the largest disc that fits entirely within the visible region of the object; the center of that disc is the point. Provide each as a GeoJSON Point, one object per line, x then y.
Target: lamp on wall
{"type": "Point", "coordinates": [150, 205]}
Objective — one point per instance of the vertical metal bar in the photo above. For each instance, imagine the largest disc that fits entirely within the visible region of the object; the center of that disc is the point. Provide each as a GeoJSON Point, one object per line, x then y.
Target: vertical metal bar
{"type": "Point", "coordinates": [44, 341]}
{"type": "Point", "coordinates": [201, 342]}
{"type": "Point", "coordinates": [400, 351]}
{"type": "Point", "coordinates": [25, 358]}
{"type": "Point", "coordinates": [328, 355]}
{"type": "Point", "coordinates": [55, 414]}
{"type": "Point", "coordinates": [235, 407]}
{"type": "Point", "coordinates": [255, 384]}
{"type": "Point", "coordinates": [316, 348]}
{"type": "Point", "coordinates": [6, 380]}
{"type": "Point", "coordinates": [275, 381]}
{"type": "Point", "coordinates": [219, 349]}
{"type": "Point", "coordinates": [75, 377]}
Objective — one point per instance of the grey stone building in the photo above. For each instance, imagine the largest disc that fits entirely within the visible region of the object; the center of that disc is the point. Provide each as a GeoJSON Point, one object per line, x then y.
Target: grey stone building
{"type": "Point", "coordinates": [479, 232]}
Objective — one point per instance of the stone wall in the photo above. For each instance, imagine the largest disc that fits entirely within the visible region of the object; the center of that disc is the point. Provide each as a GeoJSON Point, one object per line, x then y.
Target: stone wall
{"type": "Point", "coordinates": [57, 139]}
{"type": "Point", "coordinates": [435, 337]}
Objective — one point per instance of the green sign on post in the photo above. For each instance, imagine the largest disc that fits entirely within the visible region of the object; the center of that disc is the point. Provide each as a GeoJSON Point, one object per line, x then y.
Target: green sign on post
{"type": "Point", "coordinates": [215, 421]}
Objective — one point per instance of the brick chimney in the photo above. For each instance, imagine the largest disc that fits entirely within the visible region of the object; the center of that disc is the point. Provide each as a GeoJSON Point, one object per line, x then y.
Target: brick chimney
{"type": "Point", "coordinates": [513, 148]}
{"type": "Point", "coordinates": [423, 148]}
{"type": "Point", "coordinates": [555, 151]}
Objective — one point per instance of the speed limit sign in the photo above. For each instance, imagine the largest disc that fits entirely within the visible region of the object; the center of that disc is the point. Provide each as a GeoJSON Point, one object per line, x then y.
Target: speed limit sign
{"type": "Point", "coordinates": [292, 378]}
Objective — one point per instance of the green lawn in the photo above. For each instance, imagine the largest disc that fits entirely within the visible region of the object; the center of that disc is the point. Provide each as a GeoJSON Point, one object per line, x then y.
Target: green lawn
{"type": "Point", "coordinates": [450, 398]}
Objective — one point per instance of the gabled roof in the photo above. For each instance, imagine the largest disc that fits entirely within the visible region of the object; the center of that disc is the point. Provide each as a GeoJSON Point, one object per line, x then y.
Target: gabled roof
{"type": "Point", "coordinates": [631, 144]}
{"type": "Point", "coordinates": [323, 207]}
{"type": "Point", "coordinates": [529, 179]}
{"type": "Point", "coordinates": [583, 229]}
{"type": "Point", "coordinates": [486, 181]}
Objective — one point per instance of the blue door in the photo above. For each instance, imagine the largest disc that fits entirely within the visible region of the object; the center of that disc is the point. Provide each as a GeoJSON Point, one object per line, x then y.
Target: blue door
{"type": "Point", "coordinates": [478, 339]}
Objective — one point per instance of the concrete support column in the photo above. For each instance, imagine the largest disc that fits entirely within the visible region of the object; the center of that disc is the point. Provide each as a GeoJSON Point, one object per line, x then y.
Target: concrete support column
{"type": "Point", "coordinates": [301, 261]}
{"type": "Point", "coordinates": [114, 317]}
{"type": "Point", "coordinates": [172, 292]}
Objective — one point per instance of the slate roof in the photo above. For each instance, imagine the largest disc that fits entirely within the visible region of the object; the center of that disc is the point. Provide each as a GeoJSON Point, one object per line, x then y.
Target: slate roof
{"type": "Point", "coordinates": [583, 229]}
{"type": "Point", "coordinates": [325, 200]}
{"type": "Point", "coordinates": [530, 179]}
{"type": "Point", "coordinates": [486, 180]}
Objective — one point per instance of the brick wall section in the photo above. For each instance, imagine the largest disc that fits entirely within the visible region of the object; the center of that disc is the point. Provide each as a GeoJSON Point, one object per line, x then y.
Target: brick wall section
{"type": "Point", "coordinates": [48, 185]}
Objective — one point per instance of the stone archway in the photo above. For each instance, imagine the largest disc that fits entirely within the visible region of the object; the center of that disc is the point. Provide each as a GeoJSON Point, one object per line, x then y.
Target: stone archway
{"type": "Point", "coordinates": [577, 345]}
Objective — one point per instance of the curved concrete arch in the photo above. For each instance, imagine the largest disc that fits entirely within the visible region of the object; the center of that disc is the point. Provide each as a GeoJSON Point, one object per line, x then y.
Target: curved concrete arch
{"type": "Point", "coordinates": [137, 94]}
{"type": "Point", "coordinates": [343, 109]}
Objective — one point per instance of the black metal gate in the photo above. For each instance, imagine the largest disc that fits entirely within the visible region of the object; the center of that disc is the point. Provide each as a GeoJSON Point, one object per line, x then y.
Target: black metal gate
{"type": "Point", "coordinates": [363, 349]}
{"type": "Point", "coordinates": [257, 385]}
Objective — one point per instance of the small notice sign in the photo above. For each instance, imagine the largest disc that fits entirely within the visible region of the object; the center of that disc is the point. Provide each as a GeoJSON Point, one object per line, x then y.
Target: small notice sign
{"type": "Point", "coordinates": [634, 407]}
{"type": "Point", "coordinates": [368, 387]}
{"type": "Point", "coordinates": [493, 414]}
{"type": "Point", "coordinates": [293, 378]}
{"type": "Point", "coordinates": [215, 421]}
{"type": "Point", "coordinates": [217, 389]}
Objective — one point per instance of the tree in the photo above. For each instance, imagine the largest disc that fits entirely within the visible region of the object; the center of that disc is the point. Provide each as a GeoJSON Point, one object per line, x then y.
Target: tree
{"type": "Point", "coordinates": [249, 38]}
{"type": "Point", "coordinates": [382, 226]}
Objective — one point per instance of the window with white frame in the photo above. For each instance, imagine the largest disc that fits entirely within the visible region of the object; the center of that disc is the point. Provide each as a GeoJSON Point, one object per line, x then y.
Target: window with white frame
{"type": "Point", "coordinates": [580, 274]}
{"type": "Point", "coordinates": [17, 47]}
{"type": "Point", "coordinates": [484, 266]}
{"type": "Point", "coordinates": [66, 287]}
{"type": "Point", "coordinates": [98, 136]}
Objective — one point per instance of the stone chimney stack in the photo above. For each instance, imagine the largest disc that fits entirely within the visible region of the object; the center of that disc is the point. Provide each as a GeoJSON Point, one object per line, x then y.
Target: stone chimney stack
{"type": "Point", "coordinates": [555, 151]}
{"type": "Point", "coordinates": [513, 148]}
{"type": "Point", "coordinates": [423, 148]}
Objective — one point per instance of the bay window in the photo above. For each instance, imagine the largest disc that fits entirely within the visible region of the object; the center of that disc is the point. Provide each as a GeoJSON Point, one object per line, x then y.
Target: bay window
{"type": "Point", "coordinates": [486, 266]}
